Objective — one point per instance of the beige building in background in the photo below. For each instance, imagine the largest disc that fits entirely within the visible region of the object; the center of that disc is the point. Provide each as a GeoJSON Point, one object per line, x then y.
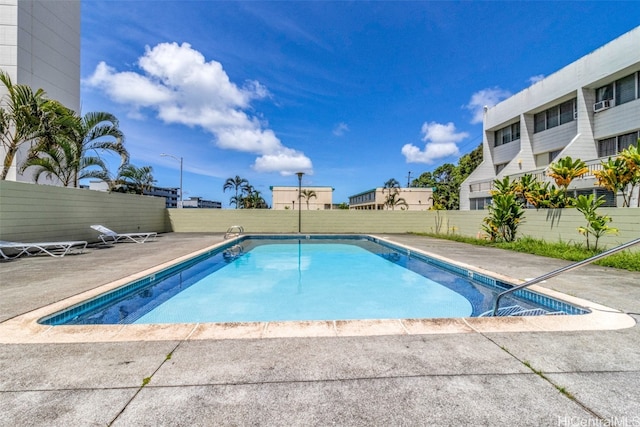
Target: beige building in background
{"type": "Point", "coordinates": [418, 199]}
{"type": "Point", "coordinates": [40, 47]}
{"type": "Point", "coordinates": [287, 198]}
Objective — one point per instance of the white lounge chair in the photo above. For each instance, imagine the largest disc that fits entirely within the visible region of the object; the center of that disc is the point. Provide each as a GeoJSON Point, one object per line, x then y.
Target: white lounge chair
{"type": "Point", "coordinates": [55, 249]}
{"type": "Point", "coordinates": [109, 236]}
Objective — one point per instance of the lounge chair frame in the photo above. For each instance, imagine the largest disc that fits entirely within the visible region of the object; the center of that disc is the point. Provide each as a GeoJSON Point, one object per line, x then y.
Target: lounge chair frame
{"type": "Point", "coordinates": [54, 249]}
{"type": "Point", "coordinates": [109, 236]}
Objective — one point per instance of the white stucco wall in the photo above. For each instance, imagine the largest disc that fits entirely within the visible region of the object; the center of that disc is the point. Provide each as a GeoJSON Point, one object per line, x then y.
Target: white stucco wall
{"type": "Point", "coordinates": [40, 47]}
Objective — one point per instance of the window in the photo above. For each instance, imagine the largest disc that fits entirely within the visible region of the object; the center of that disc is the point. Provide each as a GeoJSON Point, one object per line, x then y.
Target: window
{"type": "Point", "coordinates": [622, 90]}
{"type": "Point", "coordinates": [555, 116]}
{"type": "Point", "coordinates": [500, 167]}
{"type": "Point", "coordinates": [625, 89]}
{"type": "Point", "coordinates": [539, 122]}
{"type": "Point", "coordinates": [612, 146]}
{"type": "Point", "coordinates": [507, 134]}
{"type": "Point", "coordinates": [479, 203]}
{"type": "Point", "coordinates": [567, 112]}
{"type": "Point", "coordinates": [625, 141]}
{"type": "Point", "coordinates": [607, 147]}
{"type": "Point", "coordinates": [605, 92]}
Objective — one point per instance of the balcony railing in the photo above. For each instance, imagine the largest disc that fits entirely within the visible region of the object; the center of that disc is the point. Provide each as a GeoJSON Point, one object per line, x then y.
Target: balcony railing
{"type": "Point", "coordinates": [539, 174]}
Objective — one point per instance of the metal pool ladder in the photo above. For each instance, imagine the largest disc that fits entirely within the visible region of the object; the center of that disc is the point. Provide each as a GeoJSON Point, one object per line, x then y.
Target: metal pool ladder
{"type": "Point", "coordinates": [233, 231]}
{"type": "Point", "coordinates": [496, 304]}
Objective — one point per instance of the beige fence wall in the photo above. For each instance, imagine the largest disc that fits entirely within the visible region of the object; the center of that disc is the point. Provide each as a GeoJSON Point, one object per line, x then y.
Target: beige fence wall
{"type": "Point", "coordinates": [30, 212]}
{"type": "Point", "coordinates": [551, 225]}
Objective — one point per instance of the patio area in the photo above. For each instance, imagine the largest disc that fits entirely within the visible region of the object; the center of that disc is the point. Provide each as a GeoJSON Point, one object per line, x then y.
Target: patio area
{"type": "Point", "coordinates": [470, 377]}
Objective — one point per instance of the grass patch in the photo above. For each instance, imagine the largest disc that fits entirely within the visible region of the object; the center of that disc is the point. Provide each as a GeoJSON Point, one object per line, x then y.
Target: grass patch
{"type": "Point", "coordinates": [625, 260]}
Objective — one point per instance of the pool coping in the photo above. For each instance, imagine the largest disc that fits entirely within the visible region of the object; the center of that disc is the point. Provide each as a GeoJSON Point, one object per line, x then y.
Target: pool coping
{"type": "Point", "coordinates": [26, 329]}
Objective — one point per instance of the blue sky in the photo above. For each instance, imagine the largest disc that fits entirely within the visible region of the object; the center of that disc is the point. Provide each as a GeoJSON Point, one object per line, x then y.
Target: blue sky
{"type": "Point", "coordinates": [351, 93]}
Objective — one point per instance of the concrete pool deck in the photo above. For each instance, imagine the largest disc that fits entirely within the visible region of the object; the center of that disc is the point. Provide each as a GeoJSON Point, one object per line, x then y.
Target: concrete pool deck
{"type": "Point", "coordinates": [480, 376]}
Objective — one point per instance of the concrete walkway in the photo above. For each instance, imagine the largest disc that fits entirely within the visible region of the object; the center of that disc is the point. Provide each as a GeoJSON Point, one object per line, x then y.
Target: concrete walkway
{"type": "Point", "coordinates": [524, 378]}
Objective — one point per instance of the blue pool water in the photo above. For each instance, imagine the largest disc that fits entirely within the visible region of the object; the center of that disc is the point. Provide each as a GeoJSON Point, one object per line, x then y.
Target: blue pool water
{"type": "Point", "coordinates": [288, 278]}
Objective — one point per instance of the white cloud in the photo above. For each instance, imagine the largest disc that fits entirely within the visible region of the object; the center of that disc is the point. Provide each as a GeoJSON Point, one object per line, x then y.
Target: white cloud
{"type": "Point", "coordinates": [441, 141]}
{"type": "Point", "coordinates": [287, 163]}
{"type": "Point", "coordinates": [485, 98]}
{"type": "Point", "coordinates": [181, 87]}
{"type": "Point", "coordinates": [340, 129]}
{"type": "Point", "coordinates": [536, 79]}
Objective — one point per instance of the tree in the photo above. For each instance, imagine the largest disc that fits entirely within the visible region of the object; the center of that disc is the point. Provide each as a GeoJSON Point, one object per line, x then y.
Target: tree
{"type": "Point", "coordinates": [631, 155]}
{"type": "Point", "coordinates": [505, 215]}
{"type": "Point", "coordinates": [236, 184]}
{"type": "Point", "coordinates": [615, 176]}
{"type": "Point", "coordinates": [596, 223]}
{"type": "Point", "coordinates": [132, 179]}
{"type": "Point", "coordinates": [72, 150]}
{"type": "Point", "coordinates": [94, 134]}
{"type": "Point", "coordinates": [566, 170]}
{"type": "Point", "coordinates": [254, 200]}
{"type": "Point", "coordinates": [392, 187]}
{"type": "Point", "coordinates": [307, 195]}
{"type": "Point", "coordinates": [394, 200]}
{"type": "Point", "coordinates": [447, 178]}
{"type": "Point", "coordinates": [62, 161]}
{"type": "Point", "coordinates": [21, 121]}
{"type": "Point", "coordinates": [391, 184]}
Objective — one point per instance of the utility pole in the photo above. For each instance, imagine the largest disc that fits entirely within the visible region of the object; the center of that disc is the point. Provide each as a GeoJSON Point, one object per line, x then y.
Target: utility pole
{"type": "Point", "coordinates": [409, 180]}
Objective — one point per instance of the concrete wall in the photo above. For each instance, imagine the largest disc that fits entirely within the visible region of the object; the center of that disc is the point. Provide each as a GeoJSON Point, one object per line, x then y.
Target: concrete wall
{"type": "Point", "coordinates": [551, 225]}
{"type": "Point", "coordinates": [30, 212]}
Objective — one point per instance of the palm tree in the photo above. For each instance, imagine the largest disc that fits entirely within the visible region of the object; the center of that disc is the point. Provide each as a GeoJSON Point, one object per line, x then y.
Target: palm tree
{"type": "Point", "coordinates": [393, 200]}
{"type": "Point", "coordinates": [132, 179]}
{"type": "Point", "coordinates": [308, 194]}
{"type": "Point", "coordinates": [254, 200]}
{"type": "Point", "coordinates": [81, 141]}
{"type": "Point", "coordinates": [236, 184]}
{"type": "Point", "coordinates": [391, 184]}
{"type": "Point", "coordinates": [96, 133]}
{"type": "Point", "coordinates": [22, 119]}
{"type": "Point", "coordinates": [62, 161]}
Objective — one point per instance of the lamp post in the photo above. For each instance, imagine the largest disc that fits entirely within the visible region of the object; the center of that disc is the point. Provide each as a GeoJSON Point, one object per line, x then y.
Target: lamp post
{"type": "Point", "coordinates": [299, 196]}
{"type": "Point", "coordinates": [179, 159]}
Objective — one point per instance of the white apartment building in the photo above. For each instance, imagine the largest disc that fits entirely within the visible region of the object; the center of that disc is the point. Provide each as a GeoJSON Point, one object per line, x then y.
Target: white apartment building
{"type": "Point", "coordinates": [285, 197]}
{"type": "Point", "coordinates": [417, 199]}
{"type": "Point", "coordinates": [589, 110]}
{"type": "Point", "coordinates": [40, 47]}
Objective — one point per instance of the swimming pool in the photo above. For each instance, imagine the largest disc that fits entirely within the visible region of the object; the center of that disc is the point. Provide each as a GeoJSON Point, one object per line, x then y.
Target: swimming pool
{"type": "Point", "coordinates": [271, 278]}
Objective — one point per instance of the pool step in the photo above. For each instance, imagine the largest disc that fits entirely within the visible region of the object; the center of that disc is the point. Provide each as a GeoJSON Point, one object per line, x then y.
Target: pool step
{"type": "Point", "coordinates": [233, 252]}
{"type": "Point", "coordinates": [516, 310]}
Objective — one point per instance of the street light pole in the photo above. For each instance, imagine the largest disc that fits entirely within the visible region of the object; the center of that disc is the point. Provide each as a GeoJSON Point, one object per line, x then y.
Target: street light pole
{"type": "Point", "coordinates": [179, 159]}
{"type": "Point", "coordinates": [299, 196]}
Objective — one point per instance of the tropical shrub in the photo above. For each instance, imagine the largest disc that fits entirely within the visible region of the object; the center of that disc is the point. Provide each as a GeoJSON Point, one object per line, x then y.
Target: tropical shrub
{"type": "Point", "coordinates": [564, 171]}
{"type": "Point", "coordinates": [596, 223]}
{"type": "Point", "coordinates": [505, 215]}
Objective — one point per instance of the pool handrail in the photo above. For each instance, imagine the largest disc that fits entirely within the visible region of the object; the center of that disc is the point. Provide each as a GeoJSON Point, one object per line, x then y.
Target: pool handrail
{"type": "Point", "coordinates": [554, 273]}
{"type": "Point", "coordinates": [234, 231]}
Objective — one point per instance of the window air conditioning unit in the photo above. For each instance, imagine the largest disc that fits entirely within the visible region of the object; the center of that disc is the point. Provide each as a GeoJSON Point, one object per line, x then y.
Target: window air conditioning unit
{"type": "Point", "coordinates": [602, 105]}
